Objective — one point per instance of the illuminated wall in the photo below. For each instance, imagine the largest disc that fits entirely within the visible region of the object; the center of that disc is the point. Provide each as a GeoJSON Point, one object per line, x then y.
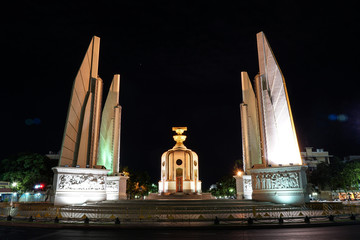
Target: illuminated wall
{"type": "Point", "coordinates": [87, 143]}
{"type": "Point", "coordinates": [81, 133]}
{"type": "Point", "coordinates": [270, 148]}
{"type": "Point", "coordinates": [109, 143]}
{"type": "Point", "coordinates": [279, 142]}
{"type": "Point", "coordinates": [249, 125]}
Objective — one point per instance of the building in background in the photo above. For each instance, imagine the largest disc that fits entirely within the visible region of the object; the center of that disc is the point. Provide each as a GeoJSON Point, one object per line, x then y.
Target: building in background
{"type": "Point", "coordinates": [5, 192]}
{"type": "Point", "coordinates": [53, 156]}
{"type": "Point", "coordinates": [313, 158]}
{"type": "Point", "coordinates": [352, 158]}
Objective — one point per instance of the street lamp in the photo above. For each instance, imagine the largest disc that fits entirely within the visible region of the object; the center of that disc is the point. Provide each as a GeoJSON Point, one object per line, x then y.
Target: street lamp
{"type": "Point", "coordinates": [14, 184]}
{"type": "Point", "coordinates": [239, 173]}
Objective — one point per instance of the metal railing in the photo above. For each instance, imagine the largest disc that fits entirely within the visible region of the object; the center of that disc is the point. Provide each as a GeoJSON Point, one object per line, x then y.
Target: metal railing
{"type": "Point", "coordinates": [187, 213]}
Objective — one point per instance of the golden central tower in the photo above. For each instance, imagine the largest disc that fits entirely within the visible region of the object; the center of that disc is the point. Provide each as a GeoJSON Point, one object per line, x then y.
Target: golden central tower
{"type": "Point", "coordinates": [179, 167]}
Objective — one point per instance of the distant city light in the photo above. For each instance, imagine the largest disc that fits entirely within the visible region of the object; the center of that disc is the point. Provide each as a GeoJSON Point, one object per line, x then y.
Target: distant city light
{"type": "Point", "coordinates": [332, 117]}
{"type": "Point", "coordinates": [39, 186]}
{"type": "Point", "coordinates": [338, 117]}
{"type": "Point", "coordinates": [342, 118]}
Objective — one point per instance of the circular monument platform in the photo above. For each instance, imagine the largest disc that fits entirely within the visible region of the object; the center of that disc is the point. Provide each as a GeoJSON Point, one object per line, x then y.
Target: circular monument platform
{"type": "Point", "coordinates": [180, 196]}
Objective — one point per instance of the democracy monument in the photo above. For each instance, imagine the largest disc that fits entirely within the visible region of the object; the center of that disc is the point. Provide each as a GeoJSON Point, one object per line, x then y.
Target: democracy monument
{"type": "Point", "coordinates": [179, 172]}
{"type": "Point", "coordinates": [271, 157]}
{"type": "Point", "coordinates": [89, 161]}
{"type": "Point", "coordinates": [179, 167]}
{"type": "Point", "coordinates": [88, 168]}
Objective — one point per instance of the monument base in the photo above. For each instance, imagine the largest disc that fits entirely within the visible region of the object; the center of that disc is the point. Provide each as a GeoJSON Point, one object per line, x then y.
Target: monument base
{"type": "Point", "coordinates": [243, 187]}
{"type": "Point", "coordinates": [116, 187]}
{"type": "Point", "coordinates": [280, 184]}
{"type": "Point", "coordinates": [79, 185]}
{"type": "Point", "coordinates": [188, 186]}
{"type": "Point", "coordinates": [179, 196]}
{"type": "Point", "coordinates": [122, 187]}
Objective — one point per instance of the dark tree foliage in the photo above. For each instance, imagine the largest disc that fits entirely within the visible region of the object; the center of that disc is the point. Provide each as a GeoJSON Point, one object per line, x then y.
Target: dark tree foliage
{"type": "Point", "coordinates": [27, 169]}
{"type": "Point", "coordinates": [139, 183]}
{"type": "Point", "coordinates": [350, 176]}
{"type": "Point", "coordinates": [337, 175]}
{"type": "Point", "coordinates": [225, 187]}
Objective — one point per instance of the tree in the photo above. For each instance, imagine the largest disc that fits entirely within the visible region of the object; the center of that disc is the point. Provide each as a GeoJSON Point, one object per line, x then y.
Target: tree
{"type": "Point", "coordinates": [225, 187]}
{"type": "Point", "coordinates": [328, 176]}
{"type": "Point", "coordinates": [350, 176]}
{"type": "Point", "coordinates": [139, 184]}
{"type": "Point", "coordinates": [321, 176]}
{"type": "Point", "coordinates": [26, 169]}
{"type": "Point", "coordinates": [337, 175]}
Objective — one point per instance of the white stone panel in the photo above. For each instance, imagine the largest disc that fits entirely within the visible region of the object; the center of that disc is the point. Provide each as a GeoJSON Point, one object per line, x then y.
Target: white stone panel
{"type": "Point", "coordinates": [79, 185]}
{"type": "Point", "coordinates": [280, 184]}
{"type": "Point", "coordinates": [249, 125]}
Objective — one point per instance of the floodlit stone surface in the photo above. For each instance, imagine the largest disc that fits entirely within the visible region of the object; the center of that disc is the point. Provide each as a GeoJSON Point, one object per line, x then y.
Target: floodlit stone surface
{"type": "Point", "coordinates": [270, 149]}
{"type": "Point", "coordinates": [279, 185]}
{"type": "Point", "coordinates": [109, 144]}
{"type": "Point", "coordinates": [80, 139]}
{"type": "Point", "coordinates": [249, 125]}
{"type": "Point", "coordinates": [79, 185]}
{"type": "Point", "coordinates": [280, 145]}
{"type": "Point", "coordinates": [85, 161]}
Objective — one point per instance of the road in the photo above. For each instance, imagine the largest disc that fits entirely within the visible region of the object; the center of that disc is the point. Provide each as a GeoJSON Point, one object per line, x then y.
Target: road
{"type": "Point", "coordinates": [316, 233]}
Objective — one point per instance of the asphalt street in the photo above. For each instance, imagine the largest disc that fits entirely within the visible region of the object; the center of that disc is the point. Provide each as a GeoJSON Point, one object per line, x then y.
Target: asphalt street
{"type": "Point", "coordinates": [318, 233]}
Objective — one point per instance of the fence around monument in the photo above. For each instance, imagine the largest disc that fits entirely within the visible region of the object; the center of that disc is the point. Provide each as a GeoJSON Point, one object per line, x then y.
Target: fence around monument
{"type": "Point", "coordinates": [135, 213]}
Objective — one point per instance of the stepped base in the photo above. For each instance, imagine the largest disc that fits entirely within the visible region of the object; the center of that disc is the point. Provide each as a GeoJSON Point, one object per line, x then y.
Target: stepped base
{"type": "Point", "coordinates": [180, 196]}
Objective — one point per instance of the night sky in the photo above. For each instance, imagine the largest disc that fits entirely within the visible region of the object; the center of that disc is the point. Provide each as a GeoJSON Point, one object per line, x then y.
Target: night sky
{"type": "Point", "coordinates": [180, 65]}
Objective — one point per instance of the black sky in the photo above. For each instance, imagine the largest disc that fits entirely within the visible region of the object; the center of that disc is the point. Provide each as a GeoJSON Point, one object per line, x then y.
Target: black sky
{"type": "Point", "coordinates": [180, 65]}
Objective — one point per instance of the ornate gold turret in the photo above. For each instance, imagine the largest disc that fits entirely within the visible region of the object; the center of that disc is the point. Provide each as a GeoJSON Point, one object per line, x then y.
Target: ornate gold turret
{"type": "Point", "coordinates": [179, 169]}
{"type": "Point", "coordinates": [179, 138]}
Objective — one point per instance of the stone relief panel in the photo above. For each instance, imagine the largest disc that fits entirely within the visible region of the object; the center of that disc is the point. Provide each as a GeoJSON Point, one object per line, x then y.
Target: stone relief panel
{"type": "Point", "coordinates": [247, 185]}
{"type": "Point", "coordinates": [112, 186]}
{"type": "Point", "coordinates": [276, 180]}
{"type": "Point", "coordinates": [81, 182]}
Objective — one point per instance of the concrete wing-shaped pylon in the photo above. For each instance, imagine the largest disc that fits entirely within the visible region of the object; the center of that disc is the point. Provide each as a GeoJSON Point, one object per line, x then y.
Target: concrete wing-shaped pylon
{"type": "Point", "coordinates": [109, 143]}
{"type": "Point", "coordinates": [280, 145]}
{"type": "Point", "coordinates": [82, 125]}
{"type": "Point", "coordinates": [249, 125]}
